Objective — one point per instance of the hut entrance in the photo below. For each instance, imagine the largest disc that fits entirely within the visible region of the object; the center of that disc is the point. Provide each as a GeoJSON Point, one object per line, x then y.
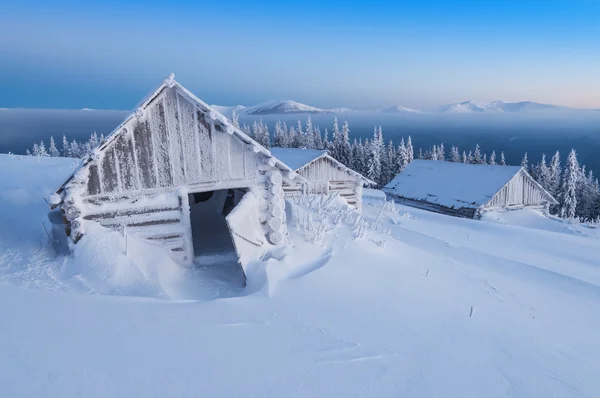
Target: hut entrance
{"type": "Point", "coordinates": [220, 233]}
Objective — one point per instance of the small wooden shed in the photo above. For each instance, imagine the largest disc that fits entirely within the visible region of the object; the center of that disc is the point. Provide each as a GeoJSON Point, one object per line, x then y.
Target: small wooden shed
{"type": "Point", "coordinates": [466, 190]}
{"type": "Point", "coordinates": [323, 175]}
{"type": "Point", "coordinates": [180, 175]}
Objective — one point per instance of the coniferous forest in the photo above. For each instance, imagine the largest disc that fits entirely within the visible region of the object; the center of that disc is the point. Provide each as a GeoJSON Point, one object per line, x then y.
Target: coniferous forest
{"type": "Point", "coordinates": [576, 189]}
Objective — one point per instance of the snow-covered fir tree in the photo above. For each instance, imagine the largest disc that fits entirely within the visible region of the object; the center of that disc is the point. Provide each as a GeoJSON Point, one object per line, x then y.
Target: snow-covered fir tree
{"type": "Point", "coordinates": [568, 189]}
{"type": "Point", "coordinates": [66, 147]}
{"type": "Point", "coordinates": [94, 140]}
{"type": "Point", "coordinates": [476, 157]}
{"type": "Point", "coordinates": [52, 150]}
{"type": "Point", "coordinates": [464, 157]}
{"type": "Point", "coordinates": [235, 120]}
{"type": "Point", "coordinates": [555, 175]}
{"type": "Point", "coordinates": [410, 151]}
{"type": "Point", "coordinates": [502, 160]}
{"type": "Point", "coordinates": [374, 161]}
{"type": "Point", "coordinates": [525, 162]}
{"type": "Point", "coordinates": [454, 154]}
{"type": "Point", "coordinates": [542, 174]}
{"type": "Point", "coordinates": [279, 139]}
{"type": "Point", "coordinates": [342, 144]}
{"type": "Point", "coordinates": [441, 152]}
{"type": "Point", "coordinates": [492, 159]}
{"type": "Point", "coordinates": [326, 142]}
{"type": "Point", "coordinates": [42, 149]}
{"type": "Point", "coordinates": [402, 157]}
{"type": "Point", "coordinates": [317, 138]}
{"type": "Point", "coordinates": [310, 135]}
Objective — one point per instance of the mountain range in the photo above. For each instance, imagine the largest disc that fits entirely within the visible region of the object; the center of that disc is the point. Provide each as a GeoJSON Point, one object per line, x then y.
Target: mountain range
{"type": "Point", "coordinates": [293, 107]}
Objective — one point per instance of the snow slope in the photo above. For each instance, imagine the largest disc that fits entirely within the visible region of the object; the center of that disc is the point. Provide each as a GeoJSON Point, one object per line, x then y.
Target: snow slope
{"type": "Point", "coordinates": [383, 315]}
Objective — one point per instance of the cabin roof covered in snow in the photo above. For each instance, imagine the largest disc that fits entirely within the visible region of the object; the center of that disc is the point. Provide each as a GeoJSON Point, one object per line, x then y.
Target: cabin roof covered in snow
{"type": "Point", "coordinates": [211, 114]}
{"type": "Point", "coordinates": [451, 184]}
{"type": "Point", "coordinates": [298, 158]}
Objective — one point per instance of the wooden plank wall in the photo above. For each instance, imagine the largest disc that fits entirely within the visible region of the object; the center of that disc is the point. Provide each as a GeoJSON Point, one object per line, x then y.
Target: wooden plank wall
{"type": "Point", "coordinates": [340, 181]}
{"type": "Point", "coordinates": [518, 191]}
{"type": "Point", "coordinates": [172, 145]}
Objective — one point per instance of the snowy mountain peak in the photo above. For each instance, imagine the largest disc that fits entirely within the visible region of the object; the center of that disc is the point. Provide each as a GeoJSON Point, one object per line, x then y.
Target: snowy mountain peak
{"type": "Point", "coordinates": [282, 107]}
{"type": "Point", "coordinates": [497, 106]}
{"type": "Point", "coordinates": [399, 109]}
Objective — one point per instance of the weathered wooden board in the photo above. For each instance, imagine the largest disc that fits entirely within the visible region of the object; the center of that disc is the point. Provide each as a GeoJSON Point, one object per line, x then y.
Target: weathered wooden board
{"type": "Point", "coordinates": [93, 183]}
{"type": "Point", "coordinates": [160, 139]}
{"type": "Point", "coordinates": [127, 166]}
{"type": "Point", "coordinates": [205, 140]}
{"type": "Point", "coordinates": [174, 135]}
{"type": "Point", "coordinates": [109, 171]}
{"type": "Point", "coordinates": [145, 154]}
{"type": "Point", "coordinates": [190, 140]}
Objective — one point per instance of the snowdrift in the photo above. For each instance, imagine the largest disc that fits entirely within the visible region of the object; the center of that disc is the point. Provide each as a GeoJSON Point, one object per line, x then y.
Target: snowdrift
{"type": "Point", "coordinates": [398, 302]}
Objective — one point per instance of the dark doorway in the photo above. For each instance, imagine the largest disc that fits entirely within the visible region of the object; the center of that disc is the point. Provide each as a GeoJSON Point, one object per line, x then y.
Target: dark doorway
{"type": "Point", "coordinates": [214, 251]}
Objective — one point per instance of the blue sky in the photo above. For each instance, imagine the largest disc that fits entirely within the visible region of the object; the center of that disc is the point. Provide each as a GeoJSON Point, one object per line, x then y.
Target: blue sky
{"type": "Point", "coordinates": [106, 55]}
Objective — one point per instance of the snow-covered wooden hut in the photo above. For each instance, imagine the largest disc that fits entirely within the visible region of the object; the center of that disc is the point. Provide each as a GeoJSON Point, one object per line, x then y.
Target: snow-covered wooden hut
{"type": "Point", "coordinates": [179, 174]}
{"type": "Point", "coordinates": [466, 190]}
{"type": "Point", "coordinates": [323, 175]}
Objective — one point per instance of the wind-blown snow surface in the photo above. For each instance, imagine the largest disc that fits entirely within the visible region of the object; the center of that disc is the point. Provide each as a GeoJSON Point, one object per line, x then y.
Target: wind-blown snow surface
{"type": "Point", "coordinates": [346, 318]}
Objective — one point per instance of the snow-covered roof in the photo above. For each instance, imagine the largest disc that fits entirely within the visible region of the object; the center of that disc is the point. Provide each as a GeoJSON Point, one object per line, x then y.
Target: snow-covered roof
{"type": "Point", "coordinates": [451, 184]}
{"type": "Point", "coordinates": [298, 158]}
{"type": "Point", "coordinates": [210, 114]}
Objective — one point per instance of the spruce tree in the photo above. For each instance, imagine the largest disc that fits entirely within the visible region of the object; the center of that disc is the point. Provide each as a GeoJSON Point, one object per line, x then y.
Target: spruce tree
{"type": "Point", "coordinates": [66, 148]}
{"type": "Point", "coordinates": [42, 149]}
{"type": "Point", "coordinates": [317, 138]}
{"type": "Point", "coordinates": [93, 140]}
{"type": "Point", "coordinates": [310, 135]}
{"type": "Point", "coordinates": [374, 162]}
{"type": "Point", "coordinates": [326, 143]}
{"type": "Point", "coordinates": [470, 157]}
{"type": "Point", "coordinates": [492, 159]}
{"type": "Point", "coordinates": [502, 160]}
{"type": "Point", "coordinates": [464, 157]}
{"type": "Point", "coordinates": [235, 119]}
{"type": "Point", "coordinates": [555, 175]}
{"type": "Point", "coordinates": [52, 150]}
{"type": "Point", "coordinates": [410, 152]}
{"type": "Point", "coordinates": [454, 155]}
{"type": "Point", "coordinates": [401, 157]}
{"type": "Point", "coordinates": [278, 136]}
{"type": "Point", "coordinates": [543, 174]}
{"type": "Point", "coordinates": [476, 157]}
{"type": "Point", "coordinates": [569, 187]}
{"type": "Point", "coordinates": [441, 152]}
{"type": "Point", "coordinates": [343, 144]}
{"type": "Point", "coordinates": [525, 162]}
{"type": "Point", "coordinates": [335, 145]}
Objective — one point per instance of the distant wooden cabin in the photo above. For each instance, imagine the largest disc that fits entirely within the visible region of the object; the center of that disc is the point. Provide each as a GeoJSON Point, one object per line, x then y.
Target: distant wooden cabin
{"type": "Point", "coordinates": [466, 190]}
{"type": "Point", "coordinates": [180, 175]}
{"type": "Point", "coordinates": [323, 175]}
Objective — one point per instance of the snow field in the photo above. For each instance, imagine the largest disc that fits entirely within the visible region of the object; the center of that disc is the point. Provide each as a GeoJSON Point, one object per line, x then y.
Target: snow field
{"type": "Point", "coordinates": [400, 302]}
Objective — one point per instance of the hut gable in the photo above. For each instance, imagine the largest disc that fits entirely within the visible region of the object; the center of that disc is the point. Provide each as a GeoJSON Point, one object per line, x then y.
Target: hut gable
{"type": "Point", "coordinates": [464, 188]}
{"type": "Point", "coordinates": [323, 174]}
{"type": "Point", "coordinates": [172, 146]}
